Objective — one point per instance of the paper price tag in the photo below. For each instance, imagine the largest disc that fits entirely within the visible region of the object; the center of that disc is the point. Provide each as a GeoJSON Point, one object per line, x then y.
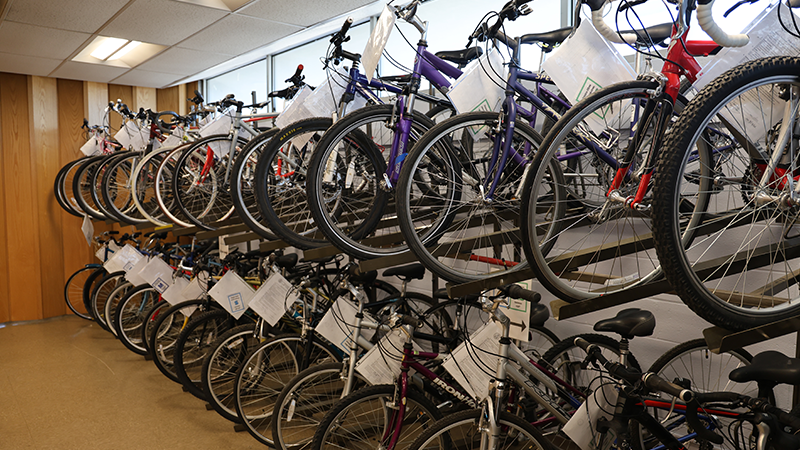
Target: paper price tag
{"type": "Point", "coordinates": [381, 364]}
{"type": "Point", "coordinates": [582, 427]}
{"type": "Point", "coordinates": [377, 41]}
{"type": "Point", "coordinates": [479, 88]}
{"type": "Point", "coordinates": [220, 125]}
{"type": "Point", "coordinates": [461, 364]}
{"type": "Point", "coordinates": [173, 294]}
{"type": "Point", "coordinates": [158, 274]}
{"type": "Point", "coordinates": [91, 147]}
{"type": "Point", "coordinates": [133, 276]}
{"type": "Point", "coordinates": [87, 227]}
{"type": "Point", "coordinates": [294, 110]}
{"type": "Point", "coordinates": [336, 325]}
{"type": "Point", "coordinates": [232, 293]}
{"type": "Point", "coordinates": [103, 255]}
{"type": "Point", "coordinates": [270, 300]}
{"type": "Point", "coordinates": [196, 288]}
{"type": "Point", "coordinates": [124, 259]}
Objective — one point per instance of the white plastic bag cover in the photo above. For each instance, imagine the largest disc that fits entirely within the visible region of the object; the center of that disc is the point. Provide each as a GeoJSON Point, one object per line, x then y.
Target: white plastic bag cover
{"type": "Point", "coordinates": [377, 41]}
{"type": "Point", "coordinates": [481, 87]}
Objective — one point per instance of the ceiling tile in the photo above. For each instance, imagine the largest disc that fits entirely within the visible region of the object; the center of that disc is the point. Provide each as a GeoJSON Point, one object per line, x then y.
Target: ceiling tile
{"type": "Point", "coordinates": [86, 16]}
{"type": "Point", "coordinates": [161, 21]}
{"type": "Point", "coordinates": [144, 78]}
{"type": "Point", "coordinates": [235, 35]}
{"type": "Point", "coordinates": [23, 39]}
{"type": "Point", "coordinates": [29, 65]}
{"type": "Point", "coordinates": [88, 72]}
{"type": "Point", "coordinates": [184, 61]}
{"type": "Point", "coordinates": [301, 12]}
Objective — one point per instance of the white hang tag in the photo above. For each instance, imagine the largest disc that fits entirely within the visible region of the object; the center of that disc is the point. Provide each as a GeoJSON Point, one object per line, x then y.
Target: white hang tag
{"type": "Point", "coordinates": [519, 312]}
{"type": "Point", "coordinates": [87, 227]}
{"type": "Point", "coordinates": [337, 324]}
{"type": "Point", "coordinates": [196, 287]}
{"type": "Point", "coordinates": [481, 86]}
{"type": "Point", "coordinates": [133, 275]}
{"type": "Point", "coordinates": [123, 259]}
{"type": "Point", "coordinates": [173, 294]}
{"type": "Point", "coordinates": [271, 300]}
{"type": "Point", "coordinates": [382, 363]}
{"type": "Point", "coordinates": [377, 41]}
{"type": "Point", "coordinates": [295, 109]}
{"type": "Point", "coordinates": [582, 427]}
{"type": "Point", "coordinates": [158, 274]}
{"type": "Point", "coordinates": [91, 147]}
{"type": "Point", "coordinates": [232, 293]}
{"type": "Point", "coordinates": [189, 310]}
{"type": "Point", "coordinates": [461, 365]}
{"type": "Point", "coordinates": [220, 125]}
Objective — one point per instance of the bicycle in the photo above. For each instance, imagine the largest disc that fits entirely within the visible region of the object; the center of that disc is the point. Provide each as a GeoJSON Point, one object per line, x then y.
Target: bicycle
{"type": "Point", "coordinates": [729, 249]}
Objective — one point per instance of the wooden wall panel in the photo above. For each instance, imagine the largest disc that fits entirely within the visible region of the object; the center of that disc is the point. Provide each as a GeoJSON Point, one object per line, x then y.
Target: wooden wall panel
{"type": "Point", "coordinates": [5, 303]}
{"type": "Point", "coordinates": [43, 96]}
{"type": "Point", "coordinates": [70, 117]}
{"type": "Point", "coordinates": [119, 92]}
{"type": "Point", "coordinates": [24, 268]}
{"type": "Point", "coordinates": [95, 100]}
{"type": "Point", "coordinates": [144, 98]}
{"type": "Point", "coordinates": [172, 99]}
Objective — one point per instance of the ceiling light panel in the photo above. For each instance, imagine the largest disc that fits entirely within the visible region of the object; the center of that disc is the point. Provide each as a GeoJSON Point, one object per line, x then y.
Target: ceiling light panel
{"type": "Point", "coordinates": [116, 52]}
{"type": "Point", "coordinates": [107, 46]}
{"type": "Point", "coordinates": [225, 5]}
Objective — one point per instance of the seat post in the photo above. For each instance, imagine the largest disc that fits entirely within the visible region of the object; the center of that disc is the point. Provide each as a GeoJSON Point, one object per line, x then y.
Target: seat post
{"type": "Point", "coordinates": [624, 350]}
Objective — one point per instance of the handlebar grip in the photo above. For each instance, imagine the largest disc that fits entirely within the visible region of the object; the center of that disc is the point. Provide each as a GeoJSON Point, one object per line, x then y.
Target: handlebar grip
{"type": "Point", "coordinates": [346, 26]}
{"type": "Point", "coordinates": [583, 344]}
{"type": "Point", "coordinates": [710, 397]}
{"type": "Point", "coordinates": [656, 383]}
{"type": "Point", "coordinates": [409, 320]}
{"type": "Point", "coordinates": [786, 418]}
{"type": "Point", "coordinates": [112, 233]}
{"type": "Point", "coordinates": [706, 21]}
{"type": "Point", "coordinates": [516, 291]}
{"type": "Point", "coordinates": [298, 71]}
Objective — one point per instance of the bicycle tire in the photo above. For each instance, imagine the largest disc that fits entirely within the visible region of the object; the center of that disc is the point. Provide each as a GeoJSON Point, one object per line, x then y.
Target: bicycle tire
{"type": "Point", "coordinates": [118, 195]}
{"type": "Point", "coordinates": [88, 288]}
{"type": "Point", "coordinates": [143, 180]}
{"type": "Point", "coordinates": [163, 186]}
{"type": "Point", "coordinates": [131, 314]}
{"type": "Point", "coordinates": [304, 400]}
{"type": "Point", "coordinates": [200, 185]}
{"type": "Point", "coordinates": [417, 405]}
{"type": "Point", "coordinates": [165, 332]}
{"type": "Point", "coordinates": [96, 187]}
{"type": "Point", "coordinates": [221, 365]}
{"type": "Point", "coordinates": [193, 345]}
{"type": "Point", "coordinates": [747, 288]}
{"type": "Point", "coordinates": [100, 294]}
{"type": "Point", "coordinates": [151, 316]}
{"type": "Point", "coordinates": [579, 243]}
{"type": "Point", "coordinates": [459, 429]}
{"type": "Point", "coordinates": [267, 369]}
{"type": "Point", "coordinates": [344, 195]}
{"type": "Point", "coordinates": [110, 307]}
{"type": "Point", "coordinates": [82, 185]}
{"type": "Point", "coordinates": [73, 291]}
{"type": "Point", "coordinates": [243, 186]}
{"type": "Point", "coordinates": [281, 185]}
{"type": "Point", "coordinates": [62, 187]}
{"type": "Point", "coordinates": [452, 221]}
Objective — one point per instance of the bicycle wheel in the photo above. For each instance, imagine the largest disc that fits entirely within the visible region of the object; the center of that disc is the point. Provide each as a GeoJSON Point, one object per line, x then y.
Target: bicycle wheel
{"type": "Point", "coordinates": [131, 314]}
{"type": "Point", "coordinates": [222, 363]}
{"type": "Point", "coordinates": [457, 199]}
{"type": "Point", "coordinates": [707, 372]}
{"type": "Point", "coordinates": [362, 420]}
{"type": "Point", "coordinates": [201, 183]}
{"type": "Point", "coordinates": [345, 173]}
{"type": "Point", "coordinates": [462, 431]}
{"type": "Point", "coordinates": [82, 187]}
{"type": "Point", "coordinates": [116, 188]}
{"type": "Point", "coordinates": [304, 401]}
{"type": "Point", "coordinates": [194, 343]}
{"type": "Point", "coordinates": [727, 237]}
{"type": "Point", "coordinates": [243, 187]}
{"type": "Point", "coordinates": [102, 290]}
{"type": "Point", "coordinates": [143, 181]}
{"type": "Point", "coordinates": [165, 332]}
{"type": "Point", "coordinates": [110, 307]}
{"type": "Point", "coordinates": [63, 187]}
{"type": "Point", "coordinates": [73, 291]}
{"type": "Point", "coordinates": [150, 318]}
{"type": "Point", "coordinates": [96, 186]}
{"type": "Point", "coordinates": [163, 185]}
{"type": "Point", "coordinates": [264, 374]}
{"type": "Point", "coordinates": [281, 176]}
{"type": "Point", "coordinates": [580, 243]}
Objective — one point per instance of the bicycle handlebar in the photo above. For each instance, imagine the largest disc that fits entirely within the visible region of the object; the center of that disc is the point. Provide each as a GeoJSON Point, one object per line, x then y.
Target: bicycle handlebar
{"type": "Point", "coordinates": [516, 291]}
{"type": "Point", "coordinates": [706, 21]}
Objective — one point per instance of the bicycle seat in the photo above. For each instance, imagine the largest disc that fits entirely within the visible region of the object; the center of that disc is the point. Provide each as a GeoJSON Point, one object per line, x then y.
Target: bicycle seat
{"type": "Point", "coordinates": [539, 315]}
{"type": "Point", "coordinates": [769, 366]}
{"type": "Point", "coordinates": [658, 33]}
{"type": "Point", "coordinates": [364, 278]}
{"type": "Point", "coordinates": [460, 57]}
{"type": "Point", "coordinates": [629, 323]}
{"type": "Point", "coordinates": [323, 260]}
{"type": "Point", "coordinates": [287, 261]}
{"type": "Point", "coordinates": [548, 39]}
{"type": "Point", "coordinates": [406, 273]}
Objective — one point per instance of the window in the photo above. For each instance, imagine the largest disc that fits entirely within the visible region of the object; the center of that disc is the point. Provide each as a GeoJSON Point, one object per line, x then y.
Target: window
{"type": "Point", "coordinates": [240, 82]}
